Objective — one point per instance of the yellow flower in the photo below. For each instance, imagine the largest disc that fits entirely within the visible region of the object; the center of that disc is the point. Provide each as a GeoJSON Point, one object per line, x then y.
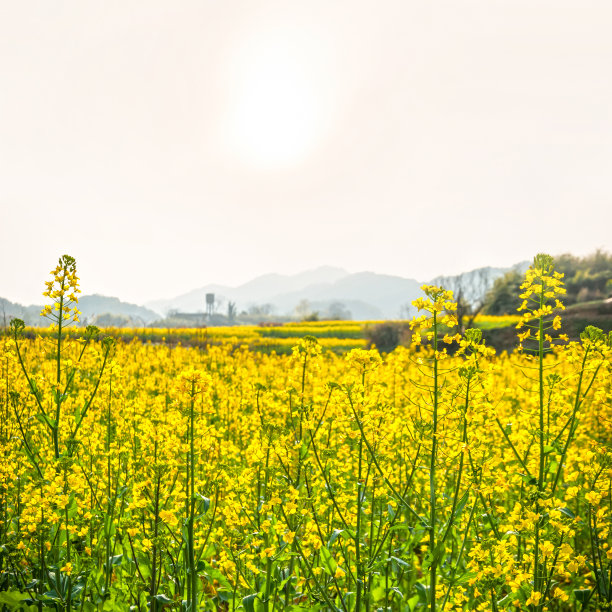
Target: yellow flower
{"type": "Point", "coordinates": [67, 569]}
{"type": "Point", "coordinates": [267, 552]}
{"type": "Point", "coordinates": [572, 566]}
{"type": "Point", "coordinates": [593, 498]}
{"type": "Point", "coordinates": [289, 536]}
{"type": "Point", "coordinates": [534, 598]}
{"type": "Point", "coordinates": [547, 548]}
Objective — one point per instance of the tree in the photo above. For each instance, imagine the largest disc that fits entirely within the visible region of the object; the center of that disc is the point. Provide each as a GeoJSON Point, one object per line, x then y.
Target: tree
{"type": "Point", "coordinates": [502, 298]}
{"type": "Point", "coordinates": [231, 311]}
{"type": "Point", "coordinates": [586, 278]}
{"type": "Point", "coordinates": [304, 311]}
{"type": "Point", "coordinates": [337, 311]}
{"type": "Point", "coordinates": [264, 310]}
{"type": "Point", "coordinates": [470, 290]}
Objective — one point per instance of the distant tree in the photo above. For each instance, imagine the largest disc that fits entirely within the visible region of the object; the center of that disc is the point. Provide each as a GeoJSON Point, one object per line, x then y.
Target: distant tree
{"type": "Point", "coordinates": [218, 306]}
{"type": "Point", "coordinates": [337, 311]}
{"type": "Point", "coordinates": [113, 320]}
{"type": "Point", "coordinates": [231, 311]}
{"type": "Point", "coordinates": [470, 290]}
{"type": "Point", "coordinates": [264, 310]}
{"type": "Point", "coordinates": [406, 311]}
{"type": "Point", "coordinates": [303, 310]}
{"type": "Point", "coordinates": [503, 296]}
{"type": "Point", "coordinates": [387, 336]}
{"type": "Point", "coordinates": [586, 278]}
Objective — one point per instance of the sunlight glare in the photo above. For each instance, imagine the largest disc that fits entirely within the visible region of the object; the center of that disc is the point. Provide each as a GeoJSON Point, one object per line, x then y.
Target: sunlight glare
{"type": "Point", "coordinates": [276, 119]}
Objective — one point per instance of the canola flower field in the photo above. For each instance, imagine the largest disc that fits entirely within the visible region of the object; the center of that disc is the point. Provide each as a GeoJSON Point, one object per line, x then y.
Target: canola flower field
{"type": "Point", "coordinates": [338, 336]}
{"type": "Point", "coordinates": [141, 476]}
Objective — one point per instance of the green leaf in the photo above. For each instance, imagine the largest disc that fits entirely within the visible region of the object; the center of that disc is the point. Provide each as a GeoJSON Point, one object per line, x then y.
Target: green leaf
{"type": "Point", "coordinates": [396, 590]}
{"type": "Point", "coordinates": [248, 602]}
{"type": "Point", "coordinates": [115, 560]}
{"type": "Point", "coordinates": [530, 480]}
{"type": "Point", "coordinates": [378, 592]}
{"type": "Point", "coordinates": [205, 502]}
{"type": "Point", "coordinates": [423, 592]}
{"type": "Point", "coordinates": [330, 564]}
{"type": "Point", "coordinates": [460, 506]}
{"type": "Point", "coordinates": [401, 562]}
{"type": "Point", "coordinates": [334, 536]}
{"type": "Point", "coordinates": [12, 598]}
{"type": "Point", "coordinates": [163, 599]}
{"type": "Point", "coordinates": [72, 506]}
{"type": "Point", "coordinates": [582, 595]}
{"type": "Point", "coordinates": [465, 578]}
{"type": "Point", "coordinates": [303, 450]}
{"type": "Point", "coordinates": [567, 512]}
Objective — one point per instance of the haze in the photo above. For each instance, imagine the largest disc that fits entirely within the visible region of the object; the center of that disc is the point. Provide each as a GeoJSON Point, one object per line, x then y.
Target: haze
{"type": "Point", "coordinates": [169, 145]}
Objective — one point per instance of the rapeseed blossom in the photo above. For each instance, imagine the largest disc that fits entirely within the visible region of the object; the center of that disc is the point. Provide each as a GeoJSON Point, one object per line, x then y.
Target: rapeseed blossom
{"type": "Point", "coordinates": [311, 480]}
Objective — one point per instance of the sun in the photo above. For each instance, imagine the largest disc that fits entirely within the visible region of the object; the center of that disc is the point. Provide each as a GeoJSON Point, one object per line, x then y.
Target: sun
{"type": "Point", "coordinates": [277, 104]}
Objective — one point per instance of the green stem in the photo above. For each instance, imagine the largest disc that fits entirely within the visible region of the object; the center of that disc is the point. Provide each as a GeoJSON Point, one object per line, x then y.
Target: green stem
{"type": "Point", "coordinates": [192, 576]}
{"type": "Point", "coordinates": [58, 395]}
{"type": "Point", "coordinates": [542, 458]}
{"type": "Point", "coordinates": [432, 474]}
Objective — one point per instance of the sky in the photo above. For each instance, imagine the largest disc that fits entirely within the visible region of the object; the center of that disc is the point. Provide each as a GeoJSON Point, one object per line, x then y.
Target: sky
{"type": "Point", "coordinates": [168, 145]}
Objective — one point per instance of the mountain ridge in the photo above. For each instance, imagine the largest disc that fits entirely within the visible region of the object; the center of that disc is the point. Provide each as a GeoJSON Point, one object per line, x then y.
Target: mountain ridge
{"type": "Point", "coordinates": [366, 294]}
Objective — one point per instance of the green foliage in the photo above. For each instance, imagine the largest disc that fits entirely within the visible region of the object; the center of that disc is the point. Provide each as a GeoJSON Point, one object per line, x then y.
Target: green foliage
{"type": "Point", "coordinates": [501, 299]}
{"type": "Point", "coordinates": [586, 278]}
{"type": "Point", "coordinates": [387, 336]}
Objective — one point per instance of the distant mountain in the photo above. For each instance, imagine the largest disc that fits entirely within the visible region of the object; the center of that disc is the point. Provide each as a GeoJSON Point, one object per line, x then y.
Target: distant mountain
{"type": "Point", "coordinates": [11, 310]}
{"type": "Point", "coordinates": [92, 307]}
{"type": "Point", "coordinates": [379, 295]}
{"type": "Point", "coordinates": [262, 289]}
{"type": "Point", "coordinates": [366, 294]}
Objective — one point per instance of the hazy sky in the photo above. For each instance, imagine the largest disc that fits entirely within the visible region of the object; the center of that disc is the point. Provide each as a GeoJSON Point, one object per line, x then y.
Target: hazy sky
{"type": "Point", "coordinates": [167, 145]}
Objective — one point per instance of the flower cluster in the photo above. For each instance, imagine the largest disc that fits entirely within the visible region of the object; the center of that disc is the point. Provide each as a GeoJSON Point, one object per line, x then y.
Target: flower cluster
{"type": "Point", "coordinates": [540, 301]}
{"type": "Point", "coordinates": [62, 290]}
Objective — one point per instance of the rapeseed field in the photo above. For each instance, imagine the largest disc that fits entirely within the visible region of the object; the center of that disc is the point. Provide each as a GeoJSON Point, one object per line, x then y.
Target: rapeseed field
{"type": "Point", "coordinates": [443, 476]}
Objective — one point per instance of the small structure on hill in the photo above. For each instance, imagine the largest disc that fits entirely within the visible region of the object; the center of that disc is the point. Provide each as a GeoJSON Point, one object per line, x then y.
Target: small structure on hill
{"type": "Point", "coordinates": [210, 304]}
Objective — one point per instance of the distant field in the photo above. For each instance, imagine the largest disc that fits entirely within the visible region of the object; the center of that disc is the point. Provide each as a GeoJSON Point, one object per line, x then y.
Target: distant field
{"type": "Point", "coordinates": [338, 336]}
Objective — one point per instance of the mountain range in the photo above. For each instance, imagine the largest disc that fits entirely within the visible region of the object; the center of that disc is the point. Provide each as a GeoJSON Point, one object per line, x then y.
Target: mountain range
{"type": "Point", "coordinates": [365, 295]}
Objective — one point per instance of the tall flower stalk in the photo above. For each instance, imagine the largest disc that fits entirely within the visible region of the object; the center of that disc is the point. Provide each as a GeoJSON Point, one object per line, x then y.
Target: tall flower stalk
{"type": "Point", "coordinates": [439, 316]}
